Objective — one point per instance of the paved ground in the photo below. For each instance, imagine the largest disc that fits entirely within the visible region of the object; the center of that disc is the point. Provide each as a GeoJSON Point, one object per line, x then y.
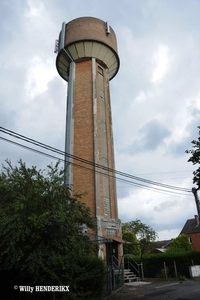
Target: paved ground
{"type": "Point", "coordinates": [166, 290]}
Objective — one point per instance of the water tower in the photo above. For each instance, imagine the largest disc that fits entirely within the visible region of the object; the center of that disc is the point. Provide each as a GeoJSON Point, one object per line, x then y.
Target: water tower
{"type": "Point", "coordinates": [87, 59]}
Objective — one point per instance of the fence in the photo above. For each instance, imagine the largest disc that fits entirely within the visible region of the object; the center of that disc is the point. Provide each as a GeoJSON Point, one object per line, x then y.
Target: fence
{"type": "Point", "coordinates": [114, 277]}
{"type": "Point", "coordinates": [167, 270]}
{"type": "Point", "coordinates": [175, 270]}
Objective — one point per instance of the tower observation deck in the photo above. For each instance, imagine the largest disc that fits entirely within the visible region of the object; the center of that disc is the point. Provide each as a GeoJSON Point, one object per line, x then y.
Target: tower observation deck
{"type": "Point", "coordinates": [87, 59]}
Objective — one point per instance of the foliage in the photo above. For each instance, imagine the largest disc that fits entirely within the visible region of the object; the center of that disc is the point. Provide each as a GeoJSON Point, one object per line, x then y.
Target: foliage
{"type": "Point", "coordinates": [133, 246]}
{"type": "Point", "coordinates": [153, 264]}
{"type": "Point", "coordinates": [195, 159]}
{"type": "Point", "coordinates": [144, 233]}
{"type": "Point", "coordinates": [88, 279]}
{"type": "Point", "coordinates": [181, 243]}
{"type": "Point", "coordinates": [40, 230]}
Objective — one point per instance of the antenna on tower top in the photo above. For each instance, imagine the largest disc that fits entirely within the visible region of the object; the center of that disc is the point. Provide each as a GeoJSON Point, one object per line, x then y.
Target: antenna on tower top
{"type": "Point", "coordinates": [56, 46]}
{"type": "Point", "coordinates": [107, 27]}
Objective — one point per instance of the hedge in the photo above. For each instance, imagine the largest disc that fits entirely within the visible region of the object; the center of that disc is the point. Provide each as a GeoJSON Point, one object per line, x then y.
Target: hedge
{"type": "Point", "coordinates": [153, 264]}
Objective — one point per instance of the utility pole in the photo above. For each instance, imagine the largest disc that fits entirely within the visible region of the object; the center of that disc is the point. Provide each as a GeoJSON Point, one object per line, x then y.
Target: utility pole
{"type": "Point", "coordinates": [196, 197]}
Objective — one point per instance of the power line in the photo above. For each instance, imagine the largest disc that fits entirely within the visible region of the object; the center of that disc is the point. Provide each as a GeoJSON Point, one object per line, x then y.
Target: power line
{"type": "Point", "coordinates": [47, 147]}
{"type": "Point", "coordinates": [26, 139]}
{"type": "Point", "coordinates": [99, 172]}
{"type": "Point", "coordinates": [156, 173]}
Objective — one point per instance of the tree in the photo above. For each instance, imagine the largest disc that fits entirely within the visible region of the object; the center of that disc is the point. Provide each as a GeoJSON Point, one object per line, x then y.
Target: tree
{"type": "Point", "coordinates": [180, 243]}
{"type": "Point", "coordinates": [133, 246]}
{"type": "Point", "coordinates": [41, 241]}
{"type": "Point", "coordinates": [195, 159]}
{"type": "Point", "coordinates": [144, 233]}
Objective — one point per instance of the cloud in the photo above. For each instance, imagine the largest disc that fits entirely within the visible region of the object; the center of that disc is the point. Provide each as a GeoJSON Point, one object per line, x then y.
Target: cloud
{"type": "Point", "coordinates": [166, 205]}
{"type": "Point", "coordinates": [40, 72]}
{"type": "Point", "coordinates": [181, 141]}
{"type": "Point", "coordinates": [160, 212]}
{"type": "Point", "coordinates": [161, 59]}
{"type": "Point", "coordinates": [154, 97]}
{"type": "Point", "coordinates": [152, 135]}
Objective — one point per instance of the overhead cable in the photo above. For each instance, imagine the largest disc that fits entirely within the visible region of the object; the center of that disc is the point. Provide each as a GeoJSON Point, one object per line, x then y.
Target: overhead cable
{"type": "Point", "coordinates": [93, 170]}
{"type": "Point", "coordinates": [97, 166]}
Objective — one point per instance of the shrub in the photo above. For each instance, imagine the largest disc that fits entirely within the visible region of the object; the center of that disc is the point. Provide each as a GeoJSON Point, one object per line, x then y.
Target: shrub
{"type": "Point", "coordinates": [153, 264]}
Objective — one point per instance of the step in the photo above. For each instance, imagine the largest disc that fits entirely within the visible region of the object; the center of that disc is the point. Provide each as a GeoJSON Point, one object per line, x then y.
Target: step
{"type": "Point", "coordinates": [129, 276]}
{"type": "Point", "coordinates": [127, 270]}
{"type": "Point", "coordinates": [131, 279]}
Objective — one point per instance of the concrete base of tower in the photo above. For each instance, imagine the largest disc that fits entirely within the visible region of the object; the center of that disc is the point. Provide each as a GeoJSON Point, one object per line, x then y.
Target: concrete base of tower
{"type": "Point", "coordinates": [112, 250]}
{"type": "Point", "coordinates": [109, 239]}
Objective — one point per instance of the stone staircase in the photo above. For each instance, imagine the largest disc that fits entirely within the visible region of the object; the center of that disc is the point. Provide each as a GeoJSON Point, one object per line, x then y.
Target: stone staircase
{"type": "Point", "coordinates": [129, 276]}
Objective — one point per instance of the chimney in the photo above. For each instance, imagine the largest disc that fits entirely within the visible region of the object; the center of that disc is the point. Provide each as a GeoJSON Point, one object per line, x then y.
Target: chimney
{"type": "Point", "coordinates": [196, 219]}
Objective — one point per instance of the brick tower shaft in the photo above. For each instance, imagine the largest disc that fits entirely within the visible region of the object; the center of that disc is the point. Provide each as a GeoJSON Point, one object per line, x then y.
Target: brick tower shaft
{"type": "Point", "coordinates": [87, 58]}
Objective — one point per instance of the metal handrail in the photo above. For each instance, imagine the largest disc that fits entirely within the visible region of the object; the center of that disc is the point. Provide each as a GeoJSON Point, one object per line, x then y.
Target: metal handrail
{"type": "Point", "coordinates": [131, 264]}
{"type": "Point", "coordinates": [119, 268]}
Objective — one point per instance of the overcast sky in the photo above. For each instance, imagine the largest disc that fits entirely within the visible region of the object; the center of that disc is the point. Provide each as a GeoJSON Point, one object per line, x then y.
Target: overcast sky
{"type": "Point", "coordinates": [155, 95]}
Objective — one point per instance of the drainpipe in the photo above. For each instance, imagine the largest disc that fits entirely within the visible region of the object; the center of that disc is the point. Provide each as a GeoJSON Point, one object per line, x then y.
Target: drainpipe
{"type": "Point", "coordinates": [69, 133]}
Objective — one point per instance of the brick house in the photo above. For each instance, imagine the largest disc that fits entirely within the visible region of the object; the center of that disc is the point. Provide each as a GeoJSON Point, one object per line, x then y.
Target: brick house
{"type": "Point", "coordinates": [192, 230]}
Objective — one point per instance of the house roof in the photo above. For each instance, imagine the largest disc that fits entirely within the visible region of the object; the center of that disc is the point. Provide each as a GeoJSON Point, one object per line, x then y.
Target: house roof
{"type": "Point", "coordinates": [158, 250]}
{"type": "Point", "coordinates": [163, 244]}
{"type": "Point", "coordinates": [190, 227]}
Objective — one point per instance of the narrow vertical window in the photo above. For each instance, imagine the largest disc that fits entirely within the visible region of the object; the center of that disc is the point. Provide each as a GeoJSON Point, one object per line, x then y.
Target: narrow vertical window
{"type": "Point", "coordinates": [100, 70]}
{"type": "Point", "coordinates": [107, 207]}
{"type": "Point", "coordinates": [101, 94]}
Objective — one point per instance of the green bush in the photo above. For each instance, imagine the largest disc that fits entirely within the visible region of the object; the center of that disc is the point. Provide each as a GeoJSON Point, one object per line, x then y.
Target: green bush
{"type": "Point", "coordinates": [133, 246]}
{"type": "Point", "coordinates": [181, 243]}
{"type": "Point", "coordinates": [88, 280]}
{"type": "Point", "coordinates": [153, 264]}
{"type": "Point", "coordinates": [42, 243]}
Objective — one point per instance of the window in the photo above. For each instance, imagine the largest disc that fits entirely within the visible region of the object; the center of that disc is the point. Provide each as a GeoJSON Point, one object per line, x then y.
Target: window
{"type": "Point", "coordinates": [103, 126]}
{"type": "Point", "coordinates": [105, 165]}
{"type": "Point", "coordinates": [101, 84]}
{"type": "Point", "coordinates": [104, 162]}
{"type": "Point", "coordinates": [100, 70]}
{"type": "Point", "coordinates": [111, 232]}
{"type": "Point", "coordinates": [101, 95]}
{"type": "Point", "coordinates": [107, 207]}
